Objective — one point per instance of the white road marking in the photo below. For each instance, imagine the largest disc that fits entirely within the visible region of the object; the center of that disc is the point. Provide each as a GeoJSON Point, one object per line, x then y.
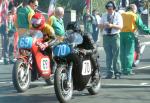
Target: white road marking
{"type": "Point", "coordinates": [48, 87]}
{"type": "Point", "coordinates": [37, 82]}
{"type": "Point", "coordinates": [129, 85]}
{"type": "Point", "coordinates": [144, 67]}
{"type": "Point", "coordinates": [143, 83]}
{"type": "Point", "coordinates": [146, 43]}
{"type": "Point", "coordinates": [103, 84]}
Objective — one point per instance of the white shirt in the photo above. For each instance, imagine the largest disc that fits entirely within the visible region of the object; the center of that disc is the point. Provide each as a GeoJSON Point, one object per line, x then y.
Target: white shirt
{"type": "Point", "coordinates": [117, 20]}
{"type": "Point", "coordinates": [98, 18]}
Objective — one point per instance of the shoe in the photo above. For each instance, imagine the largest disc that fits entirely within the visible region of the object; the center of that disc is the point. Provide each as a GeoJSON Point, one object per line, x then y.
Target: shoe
{"type": "Point", "coordinates": [6, 62]}
{"type": "Point", "coordinates": [108, 77]}
{"type": "Point", "coordinates": [11, 62]}
{"type": "Point", "coordinates": [117, 76]}
{"type": "Point", "coordinates": [132, 73]}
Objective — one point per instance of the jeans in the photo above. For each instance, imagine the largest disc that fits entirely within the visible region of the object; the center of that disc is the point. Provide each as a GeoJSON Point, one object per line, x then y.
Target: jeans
{"type": "Point", "coordinates": [95, 32]}
{"type": "Point", "coordinates": [112, 49]}
{"type": "Point", "coordinates": [4, 41]}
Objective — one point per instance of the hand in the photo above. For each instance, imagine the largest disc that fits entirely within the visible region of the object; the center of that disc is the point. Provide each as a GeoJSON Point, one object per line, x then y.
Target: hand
{"type": "Point", "coordinates": [83, 51]}
{"type": "Point", "coordinates": [42, 46]}
{"type": "Point", "coordinates": [108, 25]}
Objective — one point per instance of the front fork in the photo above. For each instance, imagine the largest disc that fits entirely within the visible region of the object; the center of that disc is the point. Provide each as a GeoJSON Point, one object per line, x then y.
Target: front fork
{"type": "Point", "coordinates": [69, 74]}
{"type": "Point", "coordinates": [29, 62]}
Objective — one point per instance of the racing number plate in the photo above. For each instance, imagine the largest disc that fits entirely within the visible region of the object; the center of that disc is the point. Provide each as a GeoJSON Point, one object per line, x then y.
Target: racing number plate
{"type": "Point", "coordinates": [86, 69]}
{"type": "Point", "coordinates": [25, 42]}
{"type": "Point", "coordinates": [45, 64]}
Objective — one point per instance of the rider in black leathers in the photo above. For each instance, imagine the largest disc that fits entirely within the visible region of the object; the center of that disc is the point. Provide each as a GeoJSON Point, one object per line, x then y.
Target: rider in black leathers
{"type": "Point", "coordinates": [88, 46]}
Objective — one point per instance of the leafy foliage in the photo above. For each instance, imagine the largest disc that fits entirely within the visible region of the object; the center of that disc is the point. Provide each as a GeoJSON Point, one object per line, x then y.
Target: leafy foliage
{"type": "Point", "coordinates": [77, 5]}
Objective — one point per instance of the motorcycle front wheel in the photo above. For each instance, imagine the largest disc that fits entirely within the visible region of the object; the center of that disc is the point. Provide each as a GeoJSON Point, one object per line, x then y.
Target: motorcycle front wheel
{"type": "Point", "coordinates": [63, 89]}
{"type": "Point", "coordinates": [95, 83]}
{"type": "Point", "coordinates": [21, 77]}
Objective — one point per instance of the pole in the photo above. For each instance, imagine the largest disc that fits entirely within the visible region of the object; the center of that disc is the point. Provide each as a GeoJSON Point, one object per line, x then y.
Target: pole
{"type": "Point", "coordinates": [91, 6]}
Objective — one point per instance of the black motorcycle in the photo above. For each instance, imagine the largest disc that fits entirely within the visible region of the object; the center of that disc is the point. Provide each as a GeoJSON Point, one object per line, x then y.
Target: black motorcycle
{"type": "Point", "coordinates": [75, 69]}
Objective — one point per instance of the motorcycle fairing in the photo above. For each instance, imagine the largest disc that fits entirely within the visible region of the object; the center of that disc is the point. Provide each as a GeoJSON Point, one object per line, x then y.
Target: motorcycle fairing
{"type": "Point", "coordinates": [79, 80]}
{"type": "Point", "coordinates": [42, 62]}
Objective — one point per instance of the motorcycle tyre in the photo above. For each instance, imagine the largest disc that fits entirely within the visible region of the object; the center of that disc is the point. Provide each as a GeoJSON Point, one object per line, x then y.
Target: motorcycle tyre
{"type": "Point", "coordinates": [58, 87]}
{"type": "Point", "coordinates": [15, 77]}
{"type": "Point", "coordinates": [93, 90]}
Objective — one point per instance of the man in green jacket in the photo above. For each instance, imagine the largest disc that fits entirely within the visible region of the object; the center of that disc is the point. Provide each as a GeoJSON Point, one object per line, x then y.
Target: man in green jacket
{"type": "Point", "coordinates": [57, 23]}
{"type": "Point", "coordinates": [131, 22]}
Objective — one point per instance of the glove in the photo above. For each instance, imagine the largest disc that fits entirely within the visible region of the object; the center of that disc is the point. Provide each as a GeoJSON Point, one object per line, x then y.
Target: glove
{"type": "Point", "coordinates": [42, 46]}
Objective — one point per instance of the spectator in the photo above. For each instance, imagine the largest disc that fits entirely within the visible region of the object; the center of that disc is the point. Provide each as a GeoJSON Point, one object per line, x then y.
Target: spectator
{"type": "Point", "coordinates": [11, 31]}
{"type": "Point", "coordinates": [124, 3]}
{"type": "Point", "coordinates": [57, 23]}
{"type": "Point", "coordinates": [111, 24]}
{"type": "Point", "coordinates": [131, 21]}
{"type": "Point", "coordinates": [95, 23]}
{"type": "Point", "coordinates": [3, 28]}
{"type": "Point", "coordinates": [24, 15]}
{"type": "Point", "coordinates": [87, 20]}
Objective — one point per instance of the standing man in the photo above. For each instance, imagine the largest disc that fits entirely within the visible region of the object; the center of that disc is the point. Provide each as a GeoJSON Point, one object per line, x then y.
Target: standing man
{"type": "Point", "coordinates": [95, 23]}
{"type": "Point", "coordinates": [3, 28]}
{"type": "Point", "coordinates": [131, 21]}
{"type": "Point", "coordinates": [87, 20]}
{"type": "Point", "coordinates": [11, 32]}
{"type": "Point", "coordinates": [111, 24]}
{"type": "Point", "coordinates": [24, 15]}
{"type": "Point", "coordinates": [56, 21]}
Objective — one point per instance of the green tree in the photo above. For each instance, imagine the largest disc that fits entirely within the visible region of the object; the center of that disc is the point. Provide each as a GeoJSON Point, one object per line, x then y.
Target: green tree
{"type": "Point", "coordinates": [77, 5]}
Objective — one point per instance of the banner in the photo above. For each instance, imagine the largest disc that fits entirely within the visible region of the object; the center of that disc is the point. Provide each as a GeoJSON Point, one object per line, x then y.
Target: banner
{"type": "Point", "coordinates": [51, 7]}
{"type": "Point", "coordinates": [88, 4]}
{"type": "Point", "coordinates": [3, 10]}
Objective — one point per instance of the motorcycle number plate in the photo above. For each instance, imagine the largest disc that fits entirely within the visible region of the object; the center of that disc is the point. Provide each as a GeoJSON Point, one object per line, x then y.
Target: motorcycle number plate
{"type": "Point", "coordinates": [86, 68]}
{"type": "Point", "coordinates": [25, 42]}
{"type": "Point", "coordinates": [45, 64]}
{"type": "Point", "coordinates": [61, 50]}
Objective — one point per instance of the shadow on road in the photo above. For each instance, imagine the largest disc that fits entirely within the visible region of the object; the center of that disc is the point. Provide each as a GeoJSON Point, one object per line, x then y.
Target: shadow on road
{"type": "Point", "coordinates": [36, 98]}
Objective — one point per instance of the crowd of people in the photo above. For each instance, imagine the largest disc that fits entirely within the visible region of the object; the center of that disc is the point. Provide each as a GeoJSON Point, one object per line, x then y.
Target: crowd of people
{"type": "Point", "coordinates": [20, 20]}
{"type": "Point", "coordinates": [118, 31]}
{"type": "Point", "coordinates": [118, 27]}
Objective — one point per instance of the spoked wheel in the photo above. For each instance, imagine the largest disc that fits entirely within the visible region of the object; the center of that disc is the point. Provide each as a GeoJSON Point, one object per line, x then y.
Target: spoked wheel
{"type": "Point", "coordinates": [63, 88]}
{"type": "Point", "coordinates": [21, 76]}
{"type": "Point", "coordinates": [95, 83]}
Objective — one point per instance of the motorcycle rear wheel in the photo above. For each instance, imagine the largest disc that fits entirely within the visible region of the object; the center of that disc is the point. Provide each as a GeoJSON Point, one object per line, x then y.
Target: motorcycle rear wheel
{"type": "Point", "coordinates": [62, 90]}
{"type": "Point", "coordinates": [95, 83]}
{"type": "Point", "coordinates": [21, 81]}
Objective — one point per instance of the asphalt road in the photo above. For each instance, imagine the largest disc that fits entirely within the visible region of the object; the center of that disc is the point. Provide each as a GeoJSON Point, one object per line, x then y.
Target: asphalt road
{"type": "Point", "coordinates": [129, 89]}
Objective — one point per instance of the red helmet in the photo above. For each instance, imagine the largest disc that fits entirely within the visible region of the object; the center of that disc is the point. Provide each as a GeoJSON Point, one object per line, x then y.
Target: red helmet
{"type": "Point", "coordinates": [38, 21]}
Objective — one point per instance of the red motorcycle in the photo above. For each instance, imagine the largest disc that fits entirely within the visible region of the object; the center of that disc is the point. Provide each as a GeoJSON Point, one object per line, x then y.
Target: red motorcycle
{"type": "Point", "coordinates": [32, 62]}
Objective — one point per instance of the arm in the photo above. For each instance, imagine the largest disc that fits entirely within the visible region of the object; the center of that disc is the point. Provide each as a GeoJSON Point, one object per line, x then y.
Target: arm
{"type": "Point", "coordinates": [29, 19]}
{"type": "Point", "coordinates": [50, 21]}
{"type": "Point", "coordinates": [101, 24]}
{"type": "Point", "coordinates": [119, 24]}
{"type": "Point", "coordinates": [142, 26]}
